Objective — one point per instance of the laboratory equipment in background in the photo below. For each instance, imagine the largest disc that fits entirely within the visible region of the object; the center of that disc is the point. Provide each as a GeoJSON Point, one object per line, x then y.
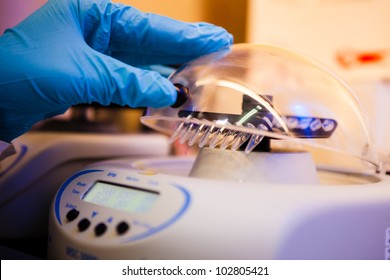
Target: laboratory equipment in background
{"type": "Point", "coordinates": [278, 175]}
{"type": "Point", "coordinates": [30, 178]}
{"type": "Point", "coordinates": [351, 37]}
{"type": "Point", "coordinates": [58, 147]}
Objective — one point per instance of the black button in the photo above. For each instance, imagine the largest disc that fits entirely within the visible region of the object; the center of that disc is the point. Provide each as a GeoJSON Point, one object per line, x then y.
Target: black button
{"type": "Point", "coordinates": [100, 229]}
{"type": "Point", "coordinates": [83, 224]}
{"type": "Point", "coordinates": [182, 95]}
{"type": "Point", "coordinates": [122, 227]}
{"type": "Point", "coordinates": [72, 215]}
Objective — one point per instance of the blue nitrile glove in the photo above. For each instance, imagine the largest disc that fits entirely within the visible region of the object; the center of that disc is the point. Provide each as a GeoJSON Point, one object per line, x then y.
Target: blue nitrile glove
{"type": "Point", "coordinates": [81, 51]}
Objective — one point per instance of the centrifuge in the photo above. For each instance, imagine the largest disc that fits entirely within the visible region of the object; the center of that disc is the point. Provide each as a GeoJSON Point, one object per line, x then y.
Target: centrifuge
{"type": "Point", "coordinates": [285, 169]}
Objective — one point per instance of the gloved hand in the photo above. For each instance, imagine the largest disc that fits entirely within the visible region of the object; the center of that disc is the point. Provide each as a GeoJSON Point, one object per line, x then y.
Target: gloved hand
{"type": "Point", "coordinates": [81, 51]}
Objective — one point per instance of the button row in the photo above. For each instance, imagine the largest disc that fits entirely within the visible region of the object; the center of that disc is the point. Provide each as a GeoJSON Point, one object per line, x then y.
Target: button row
{"type": "Point", "coordinates": [99, 229]}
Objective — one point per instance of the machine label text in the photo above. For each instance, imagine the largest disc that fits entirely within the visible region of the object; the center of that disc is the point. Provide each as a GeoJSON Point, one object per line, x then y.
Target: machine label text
{"type": "Point", "coordinates": [70, 206]}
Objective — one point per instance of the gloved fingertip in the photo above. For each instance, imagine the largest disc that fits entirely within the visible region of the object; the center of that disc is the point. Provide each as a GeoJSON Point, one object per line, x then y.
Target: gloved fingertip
{"type": "Point", "coordinates": [215, 37]}
{"type": "Point", "coordinates": [231, 39]}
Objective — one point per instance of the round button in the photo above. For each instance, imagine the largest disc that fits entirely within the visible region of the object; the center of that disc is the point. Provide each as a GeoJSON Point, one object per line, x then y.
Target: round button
{"type": "Point", "coordinates": [182, 95]}
{"type": "Point", "coordinates": [83, 224]}
{"type": "Point", "coordinates": [100, 229]}
{"type": "Point", "coordinates": [122, 227]}
{"type": "Point", "coordinates": [72, 215]}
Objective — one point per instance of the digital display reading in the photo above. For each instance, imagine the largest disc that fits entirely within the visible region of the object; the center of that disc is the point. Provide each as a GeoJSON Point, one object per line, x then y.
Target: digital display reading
{"type": "Point", "coordinates": [129, 199]}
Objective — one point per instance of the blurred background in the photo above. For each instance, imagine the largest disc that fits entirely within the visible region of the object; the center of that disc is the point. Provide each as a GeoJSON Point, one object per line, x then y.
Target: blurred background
{"type": "Point", "coordinates": [229, 14]}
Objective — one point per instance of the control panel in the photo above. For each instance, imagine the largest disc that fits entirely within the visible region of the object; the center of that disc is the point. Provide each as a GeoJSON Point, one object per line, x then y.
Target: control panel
{"type": "Point", "coordinates": [111, 207]}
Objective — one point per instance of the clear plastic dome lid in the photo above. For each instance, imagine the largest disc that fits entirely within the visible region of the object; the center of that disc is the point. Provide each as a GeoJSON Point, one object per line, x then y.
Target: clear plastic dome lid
{"type": "Point", "coordinates": [249, 94]}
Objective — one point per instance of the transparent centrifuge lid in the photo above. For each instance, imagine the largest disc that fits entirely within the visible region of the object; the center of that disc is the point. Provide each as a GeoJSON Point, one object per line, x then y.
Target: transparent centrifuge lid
{"type": "Point", "coordinates": [249, 93]}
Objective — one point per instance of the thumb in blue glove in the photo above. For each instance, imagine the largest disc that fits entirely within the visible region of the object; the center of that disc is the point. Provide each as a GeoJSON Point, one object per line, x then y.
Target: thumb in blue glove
{"type": "Point", "coordinates": [83, 51]}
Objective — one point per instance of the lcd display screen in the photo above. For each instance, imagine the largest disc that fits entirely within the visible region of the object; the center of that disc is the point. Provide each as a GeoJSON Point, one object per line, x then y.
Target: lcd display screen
{"type": "Point", "coordinates": [125, 198]}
